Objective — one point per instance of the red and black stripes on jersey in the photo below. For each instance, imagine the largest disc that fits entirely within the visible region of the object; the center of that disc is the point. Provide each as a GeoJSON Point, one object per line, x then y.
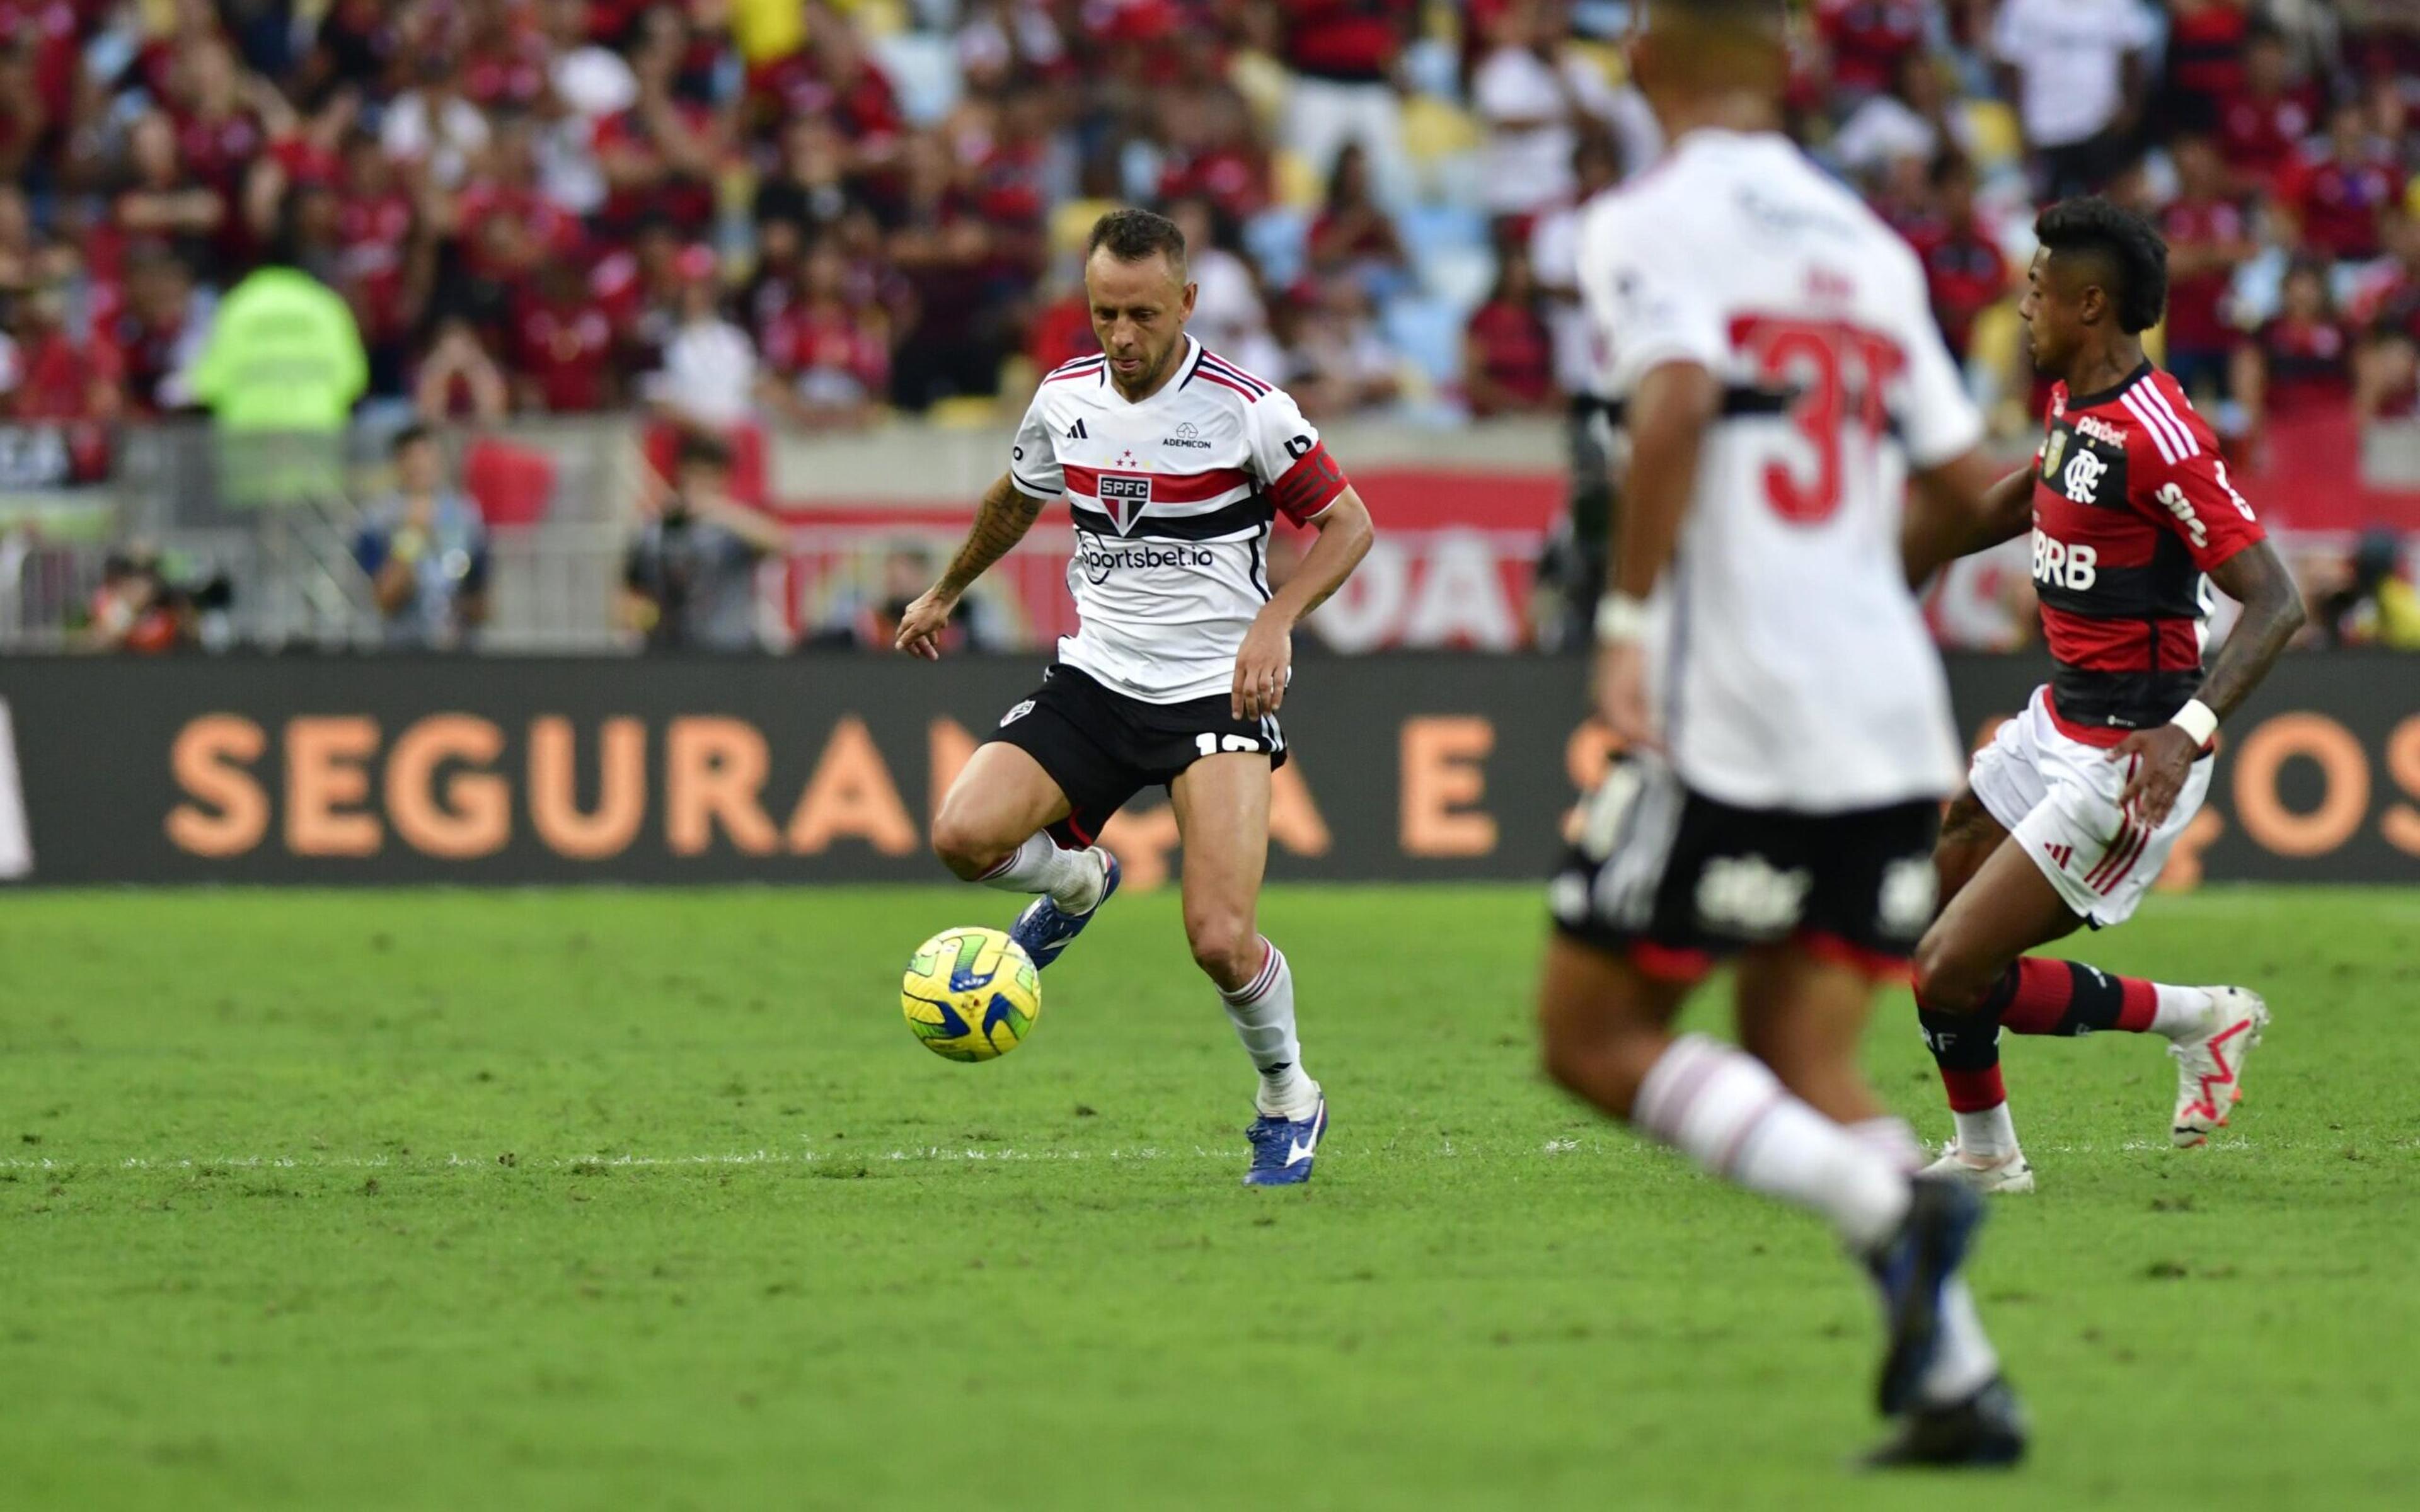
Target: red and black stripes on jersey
{"type": "Point", "coordinates": [2132, 507]}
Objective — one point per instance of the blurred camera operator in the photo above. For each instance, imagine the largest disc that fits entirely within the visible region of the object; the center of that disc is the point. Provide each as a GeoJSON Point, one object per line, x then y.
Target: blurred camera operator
{"type": "Point", "coordinates": [690, 577]}
{"type": "Point", "coordinates": [425, 549]}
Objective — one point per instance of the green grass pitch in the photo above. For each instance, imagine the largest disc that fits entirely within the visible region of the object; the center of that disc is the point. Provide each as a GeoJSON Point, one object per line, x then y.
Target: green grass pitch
{"type": "Point", "coordinates": [651, 1199]}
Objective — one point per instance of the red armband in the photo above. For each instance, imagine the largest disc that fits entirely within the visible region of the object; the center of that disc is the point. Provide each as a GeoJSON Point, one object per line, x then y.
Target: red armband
{"type": "Point", "coordinates": [1310, 485]}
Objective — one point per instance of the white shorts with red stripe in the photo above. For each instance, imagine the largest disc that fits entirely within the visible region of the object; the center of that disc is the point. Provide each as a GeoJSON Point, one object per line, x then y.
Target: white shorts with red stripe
{"type": "Point", "coordinates": [2060, 798]}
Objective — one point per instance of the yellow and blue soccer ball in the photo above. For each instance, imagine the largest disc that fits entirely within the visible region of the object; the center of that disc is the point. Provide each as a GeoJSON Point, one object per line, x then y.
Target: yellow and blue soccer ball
{"type": "Point", "coordinates": [970, 994]}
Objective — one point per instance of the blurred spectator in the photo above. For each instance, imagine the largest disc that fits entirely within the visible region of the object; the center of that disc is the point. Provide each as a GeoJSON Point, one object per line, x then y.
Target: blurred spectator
{"type": "Point", "coordinates": [1533, 96]}
{"type": "Point", "coordinates": [1868, 45]}
{"type": "Point", "coordinates": [424, 548]}
{"type": "Point", "coordinates": [134, 610]}
{"type": "Point", "coordinates": [161, 334]}
{"type": "Point", "coordinates": [161, 204]}
{"type": "Point", "coordinates": [870, 621]}
{"type": "Point", "coordinates": [2337, 188]}
{"type": "Point", "coordinates": [690, 577]}
{"type": "Point", "coordinates": [2208, 237]}
{"type": "Point", "coordinates": [810, 189]}
{"type": "Point", "coordinates": [1229, 317]}
{"type": "Point", "coordinates": [2204, 64]}
{"type": "Point", "coordinates": [1909, 119]}
{"type": "Point", "coordinates": [63, 389]}
{"type": "Point", "coordinates": [1353, 237]}
{"type": "Point", "coordinates": [1344, 55]}
{"type": "Point", "coordinates": [2366, 599]}
{"type": "Point", "coordinates": [827, 360]}
{"type": "Point", "coordinates": [1555, 258]}
{"type": "Point", "coordinates": [942, 246]}
{"type": "Point", "coordinates": [2299, 365]}
{"type": "Point", "coordinates": [1338, 365]}
{"type": "Point", "coordinates": [708, 377]}
{"type": "Point", "coordinates": [1964, 268]}
{"type": "Point", "coordinates": [433, 128]}
{"type": "Point", "coordinates": [1508, 353]}
{"type": "Point", "coordinates": [2260, 126]}
{"type": "Point", "coordinates": [660, 156]}
{"type": "Point", "coordinates": [2075, 69]}
{"type": "Point", "coordinates": [563, 345]}
{"type": "Point", "coordinates": [459, 379]}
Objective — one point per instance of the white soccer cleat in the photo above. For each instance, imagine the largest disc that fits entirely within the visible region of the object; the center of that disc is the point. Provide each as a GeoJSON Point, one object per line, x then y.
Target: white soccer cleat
{"type": "Point", "coordinates": [2006, 1176]}
{"type": "Point", "coordinates": [2210, 1066]}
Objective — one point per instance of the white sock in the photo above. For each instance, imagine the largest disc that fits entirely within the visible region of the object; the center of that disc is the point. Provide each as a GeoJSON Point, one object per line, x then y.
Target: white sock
{"type": "Point", "coordinates": [1891, 1138]}
{"type": "Point", "coordinates": [1262, 1012]}
{"type": "Point", "coordinates": [2181, 1010]}
{"type": "Point", "coordinates": [1072, 878]}
{"type": "Point", "coordinates": [1965, 1359]}
{"type": "Point", "coordinates": [1724, 1110]}
{"type": "Point", "coordinates": [1987, 1136]}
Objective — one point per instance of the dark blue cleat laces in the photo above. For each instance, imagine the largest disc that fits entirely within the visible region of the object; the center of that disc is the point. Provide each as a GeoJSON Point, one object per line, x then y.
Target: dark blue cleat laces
{"type": "Point", "coordinates": [1045, 929]}
{"type": "Point", "coordinates": [1282, 1147]}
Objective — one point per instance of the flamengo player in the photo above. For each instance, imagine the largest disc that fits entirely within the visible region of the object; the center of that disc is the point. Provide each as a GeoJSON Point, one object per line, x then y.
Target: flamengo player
{"type": "Point", "coordinates": [1175, 464]}
{"type": "Point", "coordinates": [2073, 808]}
{"type": "Point", "coordinates": [1773, 358]}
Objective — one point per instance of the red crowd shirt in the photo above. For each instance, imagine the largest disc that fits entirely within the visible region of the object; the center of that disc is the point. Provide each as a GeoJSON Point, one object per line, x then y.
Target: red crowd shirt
{"type": "Point", "coordinates": [1869, 37]}
{"type": "Point", "coordinates": [566, 348]}
{"type": "Point", "coordinates": [1967, 273]}
{"type": "Point", "coordinates": [2195, 322]}
{"type": "Point", "coordinates": [2309, 364]}
{"type": "Point", "coordinates": [2338, 201]}
{"type": "Point", "coordinates": [2258, 137]}
{"type": "Point", "coordinates": [1351, 42]}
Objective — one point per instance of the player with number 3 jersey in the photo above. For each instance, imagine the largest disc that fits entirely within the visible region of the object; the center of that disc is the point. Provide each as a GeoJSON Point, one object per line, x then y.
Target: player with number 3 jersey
{"type": "Point", "coordinates": [1175, 464]}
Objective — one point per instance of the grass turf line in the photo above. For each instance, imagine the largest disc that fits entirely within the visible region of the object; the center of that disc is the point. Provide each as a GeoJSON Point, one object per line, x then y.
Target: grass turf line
{"type": "Point", "coordinates": [650, 1200]}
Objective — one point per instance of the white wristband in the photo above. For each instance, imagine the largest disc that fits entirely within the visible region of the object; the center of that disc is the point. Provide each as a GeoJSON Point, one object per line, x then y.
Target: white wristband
{"type": "Point", "coordinates": [2196, 720]}
{"type": "Point", "coordinates": [1619, 620]}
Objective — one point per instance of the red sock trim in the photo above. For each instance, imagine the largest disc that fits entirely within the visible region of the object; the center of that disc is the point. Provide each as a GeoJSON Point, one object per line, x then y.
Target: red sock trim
{"type": "Point", "coordinates": [2142, 1001]}
{"type": "Point", "coordinates": [1974, 1092]}
{"type": "Point", "coordinates": [2040, 1001]}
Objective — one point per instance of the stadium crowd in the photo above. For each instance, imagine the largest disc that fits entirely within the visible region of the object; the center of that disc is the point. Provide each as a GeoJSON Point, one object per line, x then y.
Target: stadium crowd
{"type": "Point", "coordinates": [818, 212]}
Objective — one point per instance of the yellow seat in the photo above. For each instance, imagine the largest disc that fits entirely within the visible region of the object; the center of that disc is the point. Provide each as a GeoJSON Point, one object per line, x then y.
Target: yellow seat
{"type": "Point", "coordinates": [1433, 128]}
{"type": "Point", "coordinates": [1071, 224]}
{"type": "Point", "coordinates": [1296, 186]}
{"type": "Point", "coordinates": [1993, 127]}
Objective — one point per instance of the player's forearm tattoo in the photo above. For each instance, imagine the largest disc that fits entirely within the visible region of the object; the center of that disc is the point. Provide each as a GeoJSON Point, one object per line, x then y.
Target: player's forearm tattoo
{"type": "Point", "coordinates": [1006, 514]}
{"type": "Point", "coordinates": [2272, 611]}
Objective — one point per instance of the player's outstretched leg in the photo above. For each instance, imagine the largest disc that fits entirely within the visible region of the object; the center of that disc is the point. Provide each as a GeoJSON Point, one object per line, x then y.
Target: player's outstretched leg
{"type": "Point", "coordinates": [1222, 812]}
{"type": "Point", "coordinates": [1606, 1037]}
{"type": "Point", "coordinates": [1968, 973]}
{"type": "Point", "coordinates": [2210, 1030]}
{"type": "Point", "coordinates": [991, 831]}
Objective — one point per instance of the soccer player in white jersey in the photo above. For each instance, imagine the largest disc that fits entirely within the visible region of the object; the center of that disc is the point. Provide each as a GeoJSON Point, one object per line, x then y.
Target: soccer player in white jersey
{"type": "Point", "coordinates": [1771, 353]}
{"type": "Point", "coordinates": [1175, 464]}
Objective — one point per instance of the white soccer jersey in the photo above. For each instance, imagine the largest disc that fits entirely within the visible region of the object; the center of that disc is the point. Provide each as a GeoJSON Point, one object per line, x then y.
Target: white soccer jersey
{"type": "Point", "coordinates": [1173, 499]}
{"type": "Point", "coordinates": [1792, 667]}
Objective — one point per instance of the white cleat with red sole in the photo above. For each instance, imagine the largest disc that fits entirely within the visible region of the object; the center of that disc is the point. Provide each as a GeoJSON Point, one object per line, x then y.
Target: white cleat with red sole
{"type": "Point", "coordinates": [2210, 1067]}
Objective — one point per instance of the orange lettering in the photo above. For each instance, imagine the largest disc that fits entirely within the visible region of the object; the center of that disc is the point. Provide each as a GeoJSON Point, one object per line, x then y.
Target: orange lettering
{"type": "Point", "coordinates": [714, 767]}
{"type": "Point", "coordinates": [208, 761]}
{"type": "Point", "coordinates": [2346, 773]}
{"type": "Point", "coordinates": [1295, 819]}
{"type": "Point", "coordinates": [852, 796]}
{"type": "Point", "coordinates": [555, 789]}
{"type": "Point", "coordinates": [474, 817]}
{"type": "Point", "coordinates": [948, 747]}
{"type": "Point", "coordinates": [2401, 825]}
{"type": "Point", "coordinates": [324, 772]}
{"type": "Point", "coordinates": [1441, 777]}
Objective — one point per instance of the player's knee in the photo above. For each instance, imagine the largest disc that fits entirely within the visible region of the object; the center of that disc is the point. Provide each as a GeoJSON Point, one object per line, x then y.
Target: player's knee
{"type": "Point", "coordinates": [1945, 980]}
{"type": "Point", "coordinates": [963, 848]}
{"type": "Point", "coordinates": [1226, 946]}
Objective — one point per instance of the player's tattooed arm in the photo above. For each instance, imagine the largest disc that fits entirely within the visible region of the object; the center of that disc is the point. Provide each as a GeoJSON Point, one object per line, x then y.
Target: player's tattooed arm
{"type": "Point", "coordinates": [1006, 514]}
{"type": "Point", "coordinates": [2257, 579]}
{"type": "Point", "coordinates": [2272, 611]}
{"type": "Point", "coordinates": [1961, 508]}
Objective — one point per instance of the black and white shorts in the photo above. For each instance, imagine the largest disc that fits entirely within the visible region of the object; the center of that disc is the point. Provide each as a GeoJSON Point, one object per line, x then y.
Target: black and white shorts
{"type": "Point", "coordinates": [1102, 747]}
{"type": "Point", "coordinates": [1673, 881]}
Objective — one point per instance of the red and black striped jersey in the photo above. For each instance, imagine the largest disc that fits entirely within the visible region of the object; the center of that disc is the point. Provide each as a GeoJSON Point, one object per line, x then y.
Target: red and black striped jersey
{"type": "Point", "coordinates": [2131, 508]}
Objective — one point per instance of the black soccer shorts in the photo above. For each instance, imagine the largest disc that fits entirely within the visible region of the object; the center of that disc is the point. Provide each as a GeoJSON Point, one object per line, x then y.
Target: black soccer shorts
{"type": "Point", "coordinates": [1102, 747]}
{"type": "Point", "coordinates": [1673, 881]}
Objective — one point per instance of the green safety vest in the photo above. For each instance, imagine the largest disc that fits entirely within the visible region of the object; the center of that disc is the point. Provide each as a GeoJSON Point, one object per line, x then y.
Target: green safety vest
{"type": "Point", "coordinates": [283, 355]}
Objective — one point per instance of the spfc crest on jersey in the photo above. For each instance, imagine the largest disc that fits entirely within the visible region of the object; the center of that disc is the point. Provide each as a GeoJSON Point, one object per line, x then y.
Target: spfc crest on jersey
{"type": "Point", "coordinates": [1122, 498]}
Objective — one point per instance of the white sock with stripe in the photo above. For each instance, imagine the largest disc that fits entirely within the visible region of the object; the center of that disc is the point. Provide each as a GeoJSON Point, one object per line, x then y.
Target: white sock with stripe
{"type": "Point", "coordinates": [1262, 1013]}
{"type": "Point", "coordinates": [1723, 1109]}
{"type": "Point", "coordinates": [1072, 878]}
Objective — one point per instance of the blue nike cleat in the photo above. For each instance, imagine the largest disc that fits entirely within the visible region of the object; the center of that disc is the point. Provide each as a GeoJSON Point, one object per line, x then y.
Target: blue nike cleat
{"type": "Point", "coordinates": [1045, 929]}
{"type": "Point", "coordinates": [1282, 1147]}
{"type": "Point", "coordinates": [1912, 1267]}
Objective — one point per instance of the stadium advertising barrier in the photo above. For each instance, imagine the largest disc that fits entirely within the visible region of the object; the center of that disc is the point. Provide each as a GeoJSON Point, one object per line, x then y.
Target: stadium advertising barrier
{"type": "Point", "coordinates": [828, 769]}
